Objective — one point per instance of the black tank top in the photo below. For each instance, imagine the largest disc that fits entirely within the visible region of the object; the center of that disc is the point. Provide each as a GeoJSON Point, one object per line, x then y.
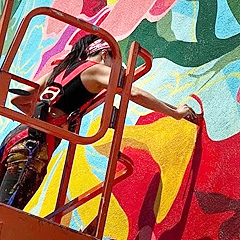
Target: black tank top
{"type": "Point", "coordinates": [75, 94]}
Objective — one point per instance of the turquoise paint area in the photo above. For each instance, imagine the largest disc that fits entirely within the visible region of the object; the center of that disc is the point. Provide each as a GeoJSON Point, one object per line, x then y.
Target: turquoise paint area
{"type": "Point", "coordinates": [97, 162]}
{"type": "Point", "coordinates": [183, 27]}
{"type": "Point", "coordinates": [221, 114]}
{"type": "Point", "coordinates": [89, 118]}
{"type": "Point", "coordinates": [75, 223]}
{"type": "Point", "coordinates": [30, 51]}
{"type": "Point", "coordinates": [234, 84]}
{"type": "Point", "coordinates": [6, 127]}
{"type": "Point", "coordinates": [226, 24]}
{"type": "Point", "coordinates": [32, 46]}
{"type": "Point", "coordinates": [26, 6]}
{"type": "Point", "coordinates": [163, 82]}
{"type": "Point", "coordinates": [184, 18]}
{"type": "Point", "coordinates": [221, 111]}
{"type": "Point", "coordinates": [184, 7]}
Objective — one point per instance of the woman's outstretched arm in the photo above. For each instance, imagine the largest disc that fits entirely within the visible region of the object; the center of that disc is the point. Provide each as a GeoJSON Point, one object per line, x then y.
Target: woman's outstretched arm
{"type": "Point", "coordinates": [96, 78]}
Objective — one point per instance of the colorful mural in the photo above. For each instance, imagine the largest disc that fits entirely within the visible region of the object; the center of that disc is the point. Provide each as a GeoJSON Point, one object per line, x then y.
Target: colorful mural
{"type": "Point", "coordinates": [185, 184]}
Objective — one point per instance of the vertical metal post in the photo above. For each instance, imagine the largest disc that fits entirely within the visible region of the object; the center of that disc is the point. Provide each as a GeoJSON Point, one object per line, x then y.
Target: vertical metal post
{"type": "Point", "coordinates": [4, 81]}
{"type": "Point", "coordinates": [66, 173]}
{"type": "Point", "coordinates": [4, 21]}
{"type": "Point", "coordinates": [116, 143]}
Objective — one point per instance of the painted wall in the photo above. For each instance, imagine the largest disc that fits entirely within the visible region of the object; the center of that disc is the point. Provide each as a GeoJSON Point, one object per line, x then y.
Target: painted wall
{"type": "Point", "coordinates": [185, 183]}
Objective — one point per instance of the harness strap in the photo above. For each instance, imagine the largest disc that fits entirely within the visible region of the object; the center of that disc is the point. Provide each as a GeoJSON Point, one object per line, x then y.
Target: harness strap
{"type": "Point", "coordinates": [31, 147]}
{"type": "Point", "coordinates": [57, 121]}
{"type": "Point", "coordinates": [65, 80]}
{"type": "Point", "coordinates": [53, 92]}
{"type": "Point", "coordinates": [14, 140]}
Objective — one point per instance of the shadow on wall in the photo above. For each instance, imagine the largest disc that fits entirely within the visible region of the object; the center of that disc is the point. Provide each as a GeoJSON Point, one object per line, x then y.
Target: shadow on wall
{"type": "Point", "coordinates": [151, 204]}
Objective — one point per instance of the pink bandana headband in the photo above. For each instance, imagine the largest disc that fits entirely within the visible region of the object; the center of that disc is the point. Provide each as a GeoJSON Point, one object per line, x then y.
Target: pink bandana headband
{"type": "Point", "coordinates": [96, 46]}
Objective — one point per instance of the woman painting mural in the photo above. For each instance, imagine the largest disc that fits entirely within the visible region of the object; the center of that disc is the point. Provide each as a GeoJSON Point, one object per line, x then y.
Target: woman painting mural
{"type": "Point", "coordinates": [26, 152]}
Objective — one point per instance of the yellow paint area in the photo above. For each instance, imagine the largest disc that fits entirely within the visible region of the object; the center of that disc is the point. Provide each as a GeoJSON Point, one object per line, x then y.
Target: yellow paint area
{"type": "Point", "coordinates": [82, 179]}
{"type": "Point", "coordinates": [171, 145]}
{"type": "Point", "coordinates": [111, 2]}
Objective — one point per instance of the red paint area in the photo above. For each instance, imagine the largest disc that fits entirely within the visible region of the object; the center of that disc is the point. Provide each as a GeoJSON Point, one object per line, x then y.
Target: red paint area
{"type": "Point", "coordinates": [208, 203]}
{"type": "Point", "coordinates": [137, 194]}
{"type": "Point", "coordinates": [92, 7]}
{"type": "Point", "coordinates": [238, 96]}
{"type": "Point", "coordinates": [160, 7]}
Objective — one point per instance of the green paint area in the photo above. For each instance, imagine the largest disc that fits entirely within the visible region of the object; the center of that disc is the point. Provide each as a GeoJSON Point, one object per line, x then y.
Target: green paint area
{"type": "Point", "coordinates": [208, 47]}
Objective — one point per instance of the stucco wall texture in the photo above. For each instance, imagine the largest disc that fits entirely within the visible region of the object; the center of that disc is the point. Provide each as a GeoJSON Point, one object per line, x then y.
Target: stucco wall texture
{"type": "Point", "coordinates": [185, 184]}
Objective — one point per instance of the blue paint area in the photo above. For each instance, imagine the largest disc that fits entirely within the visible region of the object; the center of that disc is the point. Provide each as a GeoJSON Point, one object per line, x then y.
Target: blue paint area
{"type": "Point", "coordinates": [1, 60]}
{"type": "Point", "coordinates": [226, 24]}
{"type": "Point", "coordinates": [32, 45]}
{"type": "Point", "coordinates": [184, 7]}
{"type": "Point", "coordinates": [30, 51]}
{"type": "Point", "coordinates": [233, 84]}
{"type": "Point", "coordinates": [97, 162]}
{"type": "Point", "coordinates": [88, 119]}
{"type": "Point", "coordinates": [75, 222]}
{"type": "Point", "coordinates": [221, 114]}
{"type": "Point", "coordinates": [221, 111]}
{"type": "Point", "coordinates": [26, 6]}
{"type": "Point", "coordinates": [182, 27]}
{"type": "Point", "coordinates": [232, 67]}
{"type": "Point", "coordinates": [165, 86]}
{"type": "Point", "coordinates": [184, 18]}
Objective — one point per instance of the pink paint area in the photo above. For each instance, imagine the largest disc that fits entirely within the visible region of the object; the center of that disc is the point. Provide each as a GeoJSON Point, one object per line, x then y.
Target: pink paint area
{"type": "Point", "coordinates": [134, 12]}
{"type": "Point", "coordinates": [66, 40]}
{"type": "Point", "coordinates": [89, 8]}
{"type": "Point", "coordinates": [71, 7]}
{"type": "Point", "coordinates": [160, 9]}
{"type": "Point", "coordinates": [238, 96]}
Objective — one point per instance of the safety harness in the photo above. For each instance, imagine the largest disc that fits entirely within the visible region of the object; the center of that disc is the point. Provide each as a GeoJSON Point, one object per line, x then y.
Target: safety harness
{"type": "Point", "coordinates": [48, 98]}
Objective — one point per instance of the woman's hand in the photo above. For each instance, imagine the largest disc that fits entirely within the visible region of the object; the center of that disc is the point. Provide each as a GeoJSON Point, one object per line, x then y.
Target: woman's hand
{"type": "Point", "coordinates": [185, 112]}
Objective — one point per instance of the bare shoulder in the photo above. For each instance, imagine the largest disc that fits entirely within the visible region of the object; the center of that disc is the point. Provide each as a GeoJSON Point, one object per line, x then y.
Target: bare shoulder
{"type": "Point", "coordinates": [96, 70]}
{"type": "Point", "coordinates": [96, 77]}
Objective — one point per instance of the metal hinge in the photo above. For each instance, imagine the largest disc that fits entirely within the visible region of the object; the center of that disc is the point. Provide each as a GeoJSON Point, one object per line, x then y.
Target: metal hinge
{"type": "Point", "coordinates": [121, 81]}
{"type": "Point", "coordinates": [121, 78]}
{"type": "Point", "coordinates": [113, 117]}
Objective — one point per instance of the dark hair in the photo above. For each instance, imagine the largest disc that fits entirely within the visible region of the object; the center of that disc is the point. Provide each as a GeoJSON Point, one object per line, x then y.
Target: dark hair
{"type": "Point", "coordinates": [77, 52]}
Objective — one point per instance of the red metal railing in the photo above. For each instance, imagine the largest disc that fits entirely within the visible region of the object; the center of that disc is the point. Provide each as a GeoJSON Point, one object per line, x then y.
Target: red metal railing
{"type": "Point", "coordinates": [107, 97]}
{"type": "Point", "coordinates": [39, 124]}
{"type": "Point", "coordinates": [4, 21]}
{"type": "Point", "coordinates": [95, 191]}
{"type": "Point", "coordinates": [106, 187]}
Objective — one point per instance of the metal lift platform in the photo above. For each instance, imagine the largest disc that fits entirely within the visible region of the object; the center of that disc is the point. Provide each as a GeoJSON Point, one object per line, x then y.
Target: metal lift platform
{"type": "Point", "coordinates": [19, 225]}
